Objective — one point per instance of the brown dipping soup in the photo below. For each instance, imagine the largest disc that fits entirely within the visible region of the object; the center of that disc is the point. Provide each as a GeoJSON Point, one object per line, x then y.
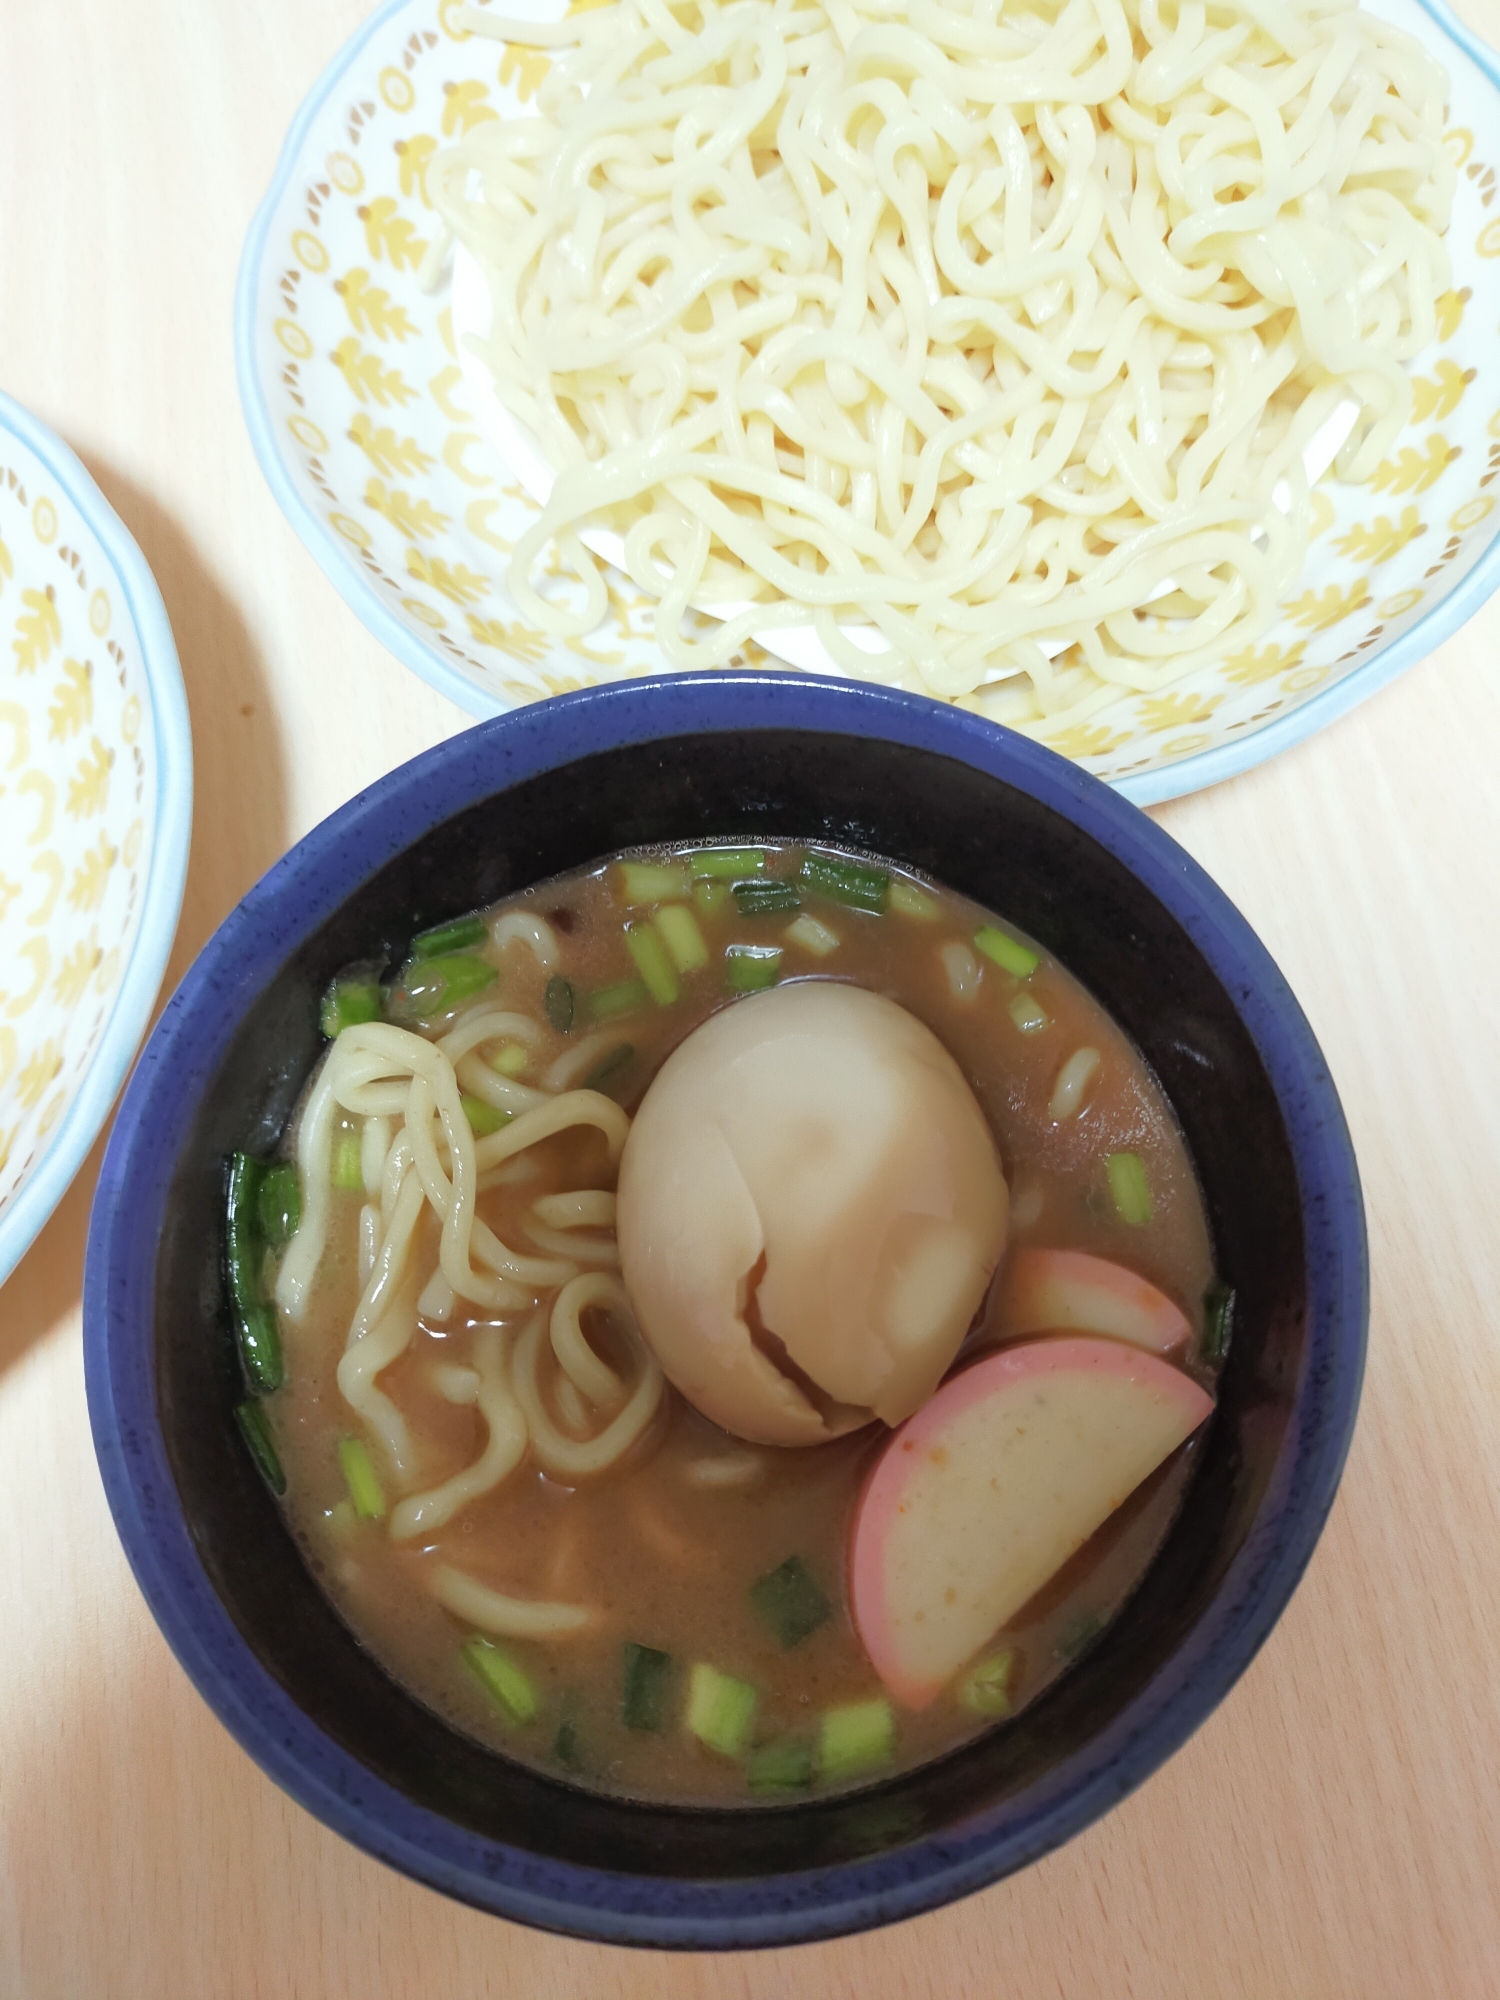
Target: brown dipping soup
{"type": "Point", "coordinates": [696, 1549]}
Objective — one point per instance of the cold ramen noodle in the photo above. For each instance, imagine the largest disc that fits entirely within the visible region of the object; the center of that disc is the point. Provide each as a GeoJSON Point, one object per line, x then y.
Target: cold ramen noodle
{"type": "Point", "coordinates": [989, 341]}
{"type": "Point", "coordinates": [729, 1323]}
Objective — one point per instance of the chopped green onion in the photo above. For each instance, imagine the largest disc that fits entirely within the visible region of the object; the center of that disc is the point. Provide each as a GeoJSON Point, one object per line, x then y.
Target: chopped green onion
{"type": "Point", "coordinates": [811, 935]}
{"type": "Point", "coordinates": [623, 998]}
{"type": "Point", "coordinates": [346, 1170]}
{"type": "Point", "coordinates": [642, 882]}
{"type": "Point", "coordinates": [347, 1004]}
{"type": "Point", "coordinates": [749, 967]}
{"type": "Point", "coordinates": [682, 937]}
{"type": "Point", "coordinates": [438, 985]}
{"type": "Point", "coordinates": [510, 1059]}
{"type": "Point", "coordinates": [361, 1479]}
{"type": "Point", "coordinates": [280, 1203]}
{"type": "Point", "coordinates": [498, 1674]}
{"type": "Point", "coordinates": [558, 1002]}
{"type": "Point", "coordinates": [910, 901]}
{"type": "Point", "coordinates": [565, 1748]}
{"type": "Point", "coordinates": [985, 1688]}
{"type": "Point", "coordinates": [615, 1061]}
{"type": "Point", "coordinates": [1080, 1632]}
{"type": "Point", "coordinates": [256, 1432]}
{"type": "Point", "coordinates": [728, 863]}
{"type": "Point", "coordinates": [1218, 1321]}
{"type": "Point", "coordinates": [846, 882]}
{"type": "Point", "coordinates": [1007, 952]}
{"type": "Point", "coordinates": [710, 896]}
{"type": "Point", "coordinates": [1027, 1015]}
{"type": "Point", "coordinates": [255, 1323]}
{"type": "Point", "coordinates": [786, 1766]}
{"type": "Point", "coordinates": [790, 1602]}
{"type": "Point", "coordinates": [653, 964]}
{"type": "Point", "coordinates": [766, 897]}
{"type": "Point", "coordinates": [442, 939]}
{"type": "Point", "coordinates": [1128, 1185]}
{"type": "Point", "coordinates": [856, 1737]}
{"type": "Point", "coordinates": [646, 1675]}
{"type": "Point", "coordinates": [720, 1710]}
{"type": "Point", "coordinates": [483, 1118]}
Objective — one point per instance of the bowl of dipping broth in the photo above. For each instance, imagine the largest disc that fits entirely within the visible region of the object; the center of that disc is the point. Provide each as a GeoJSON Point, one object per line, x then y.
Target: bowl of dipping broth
{"type": "Point", "coordinates": [724, 1309]}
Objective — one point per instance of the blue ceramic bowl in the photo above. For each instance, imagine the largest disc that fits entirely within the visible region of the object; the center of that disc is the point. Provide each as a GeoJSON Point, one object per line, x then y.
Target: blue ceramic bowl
{"type": "Point", "coordinates": [547, 788]}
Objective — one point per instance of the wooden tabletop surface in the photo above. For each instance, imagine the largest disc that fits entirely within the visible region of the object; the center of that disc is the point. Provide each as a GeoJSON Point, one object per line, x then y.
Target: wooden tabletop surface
{"type": "Point", "coordinates": [1333, 1830]}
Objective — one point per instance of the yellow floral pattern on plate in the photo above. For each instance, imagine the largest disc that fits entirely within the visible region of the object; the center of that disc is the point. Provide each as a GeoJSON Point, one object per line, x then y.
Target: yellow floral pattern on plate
{"type": "Point", "coordinates": [358, 372]}
{"type": "Point", "coordinates": [77, 802]}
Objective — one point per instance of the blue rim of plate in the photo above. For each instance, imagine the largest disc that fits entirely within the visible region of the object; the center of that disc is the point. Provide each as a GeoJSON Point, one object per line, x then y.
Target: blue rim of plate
{"type": "Point", "coordinates": [1170, 781]}
{"type": "Point", "coordinates": [33, 1202]}
{"type": "Point", "coordinates": [289, 903]}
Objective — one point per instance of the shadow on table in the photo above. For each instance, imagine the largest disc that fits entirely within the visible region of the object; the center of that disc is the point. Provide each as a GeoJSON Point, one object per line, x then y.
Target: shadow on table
{"type": "Point", "coordinates": [239, 829]}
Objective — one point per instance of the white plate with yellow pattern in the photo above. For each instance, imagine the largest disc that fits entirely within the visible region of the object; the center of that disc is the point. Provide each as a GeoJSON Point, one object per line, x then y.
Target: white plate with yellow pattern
{"type": "Point", "coordinates": [96, 801]}
{"type": "Point", "coordinates": [358, 412]}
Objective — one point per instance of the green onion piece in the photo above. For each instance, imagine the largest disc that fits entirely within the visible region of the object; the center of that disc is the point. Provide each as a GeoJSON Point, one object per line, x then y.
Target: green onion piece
{"type": "Point", "coordinates": [653, 964]}
{"type": "Point", "coordinates": [256, 1328]}
{"type": "Point", "coordinates": [243, 1238]}
{"type": "Point", "coordinates": [646, 1675]}
{"type": "Point", "coordinates": [985, 1688]}
{"type": "Point", "coordinates": [640, 882]}
{"type": "Point", "coordinates": [260, 1348]}
{"type": "Point", "coordinates": [727, 863]}
{"type": "Point", "coordinates": [856, 1737]}
{"type": "Point", "coordinates": [846, 882]}
{"type": "Point", "coordinates": [623, 998]}
{"type": "Point", "coordinates": [750, 967]}
{"type": "Point", "coordinates": [682, 937]}
{"type": "Point", "coordinates": [483, 1118]}
{"type": "Point", "coordinates": [558, 1002]}
{"type": "Point", "coordinates": [346, 1170]}
{"type": "Point", "coordinates": [720, 1710]}
{"type": "Point", "coordinates": [786, 1766]}
{"type": "Point", "coordinates": [1218, 1321]}
{"type": "Point", "coordinates": [280, 1203]}
{"type": "Point", "coordinates": [437, 985]}
{"type": "Point", "coordinates": [612, 1063]}
{"type": "Point", "coordinates": [509, 1059]}
{"type": "Point", "coordinates": [910, 901]}
{"type": "Point", "coordinates": [812, 936]}
{"type": "Point", "coordinates": [348, 1003]}
{"type": "Point", "coordinates": [500, 1677]}
{"type": "Point", "coordinates": [460, 935]}
{"type": "Point", "coordinates": [1007, 952]}
{"type": "Point", "coordinates": [256, 1432]}
{"type": "Point", "coordinates": [1027, 1015]}
{"type": "Point", "coordinates": [790, 1602]}
{"type": "Point", "coordinates": [1080, 1632]}
{"type": "Point", "coordinates": [1127, 1183]}
{"type": "Point", "coordinates": [710, 896]}
{"type": "Point", "coordinates": [362, 1480]}
{"type": "Point", "coordinates": [565, 1748]}
{"type": "Point", "coordinates": [765, 898]}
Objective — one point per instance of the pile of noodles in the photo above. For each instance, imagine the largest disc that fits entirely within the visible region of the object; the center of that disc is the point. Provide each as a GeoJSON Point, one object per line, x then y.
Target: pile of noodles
{"type": "Point", "coordinates": [537, 1383]}
{"type": "Point", "coordinates": [984, 326]}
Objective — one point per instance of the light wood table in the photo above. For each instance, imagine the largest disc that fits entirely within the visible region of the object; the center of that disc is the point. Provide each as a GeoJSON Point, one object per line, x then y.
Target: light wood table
{"type": "Point", "coordinates": [1334, 1830]}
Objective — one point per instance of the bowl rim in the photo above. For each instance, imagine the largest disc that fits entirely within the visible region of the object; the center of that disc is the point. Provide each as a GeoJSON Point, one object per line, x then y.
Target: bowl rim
{"type": "Point", "coordinates": [23, 1216]}
{"type": "Point", "coordinates": [290, 903]}
{"type": "Point", "coordinates": [1167, 781]}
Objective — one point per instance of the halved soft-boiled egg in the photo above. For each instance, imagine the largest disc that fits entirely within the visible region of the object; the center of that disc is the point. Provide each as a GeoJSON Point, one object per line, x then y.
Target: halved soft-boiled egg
{"type": "Point", "coordinates": [810, 1210]}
